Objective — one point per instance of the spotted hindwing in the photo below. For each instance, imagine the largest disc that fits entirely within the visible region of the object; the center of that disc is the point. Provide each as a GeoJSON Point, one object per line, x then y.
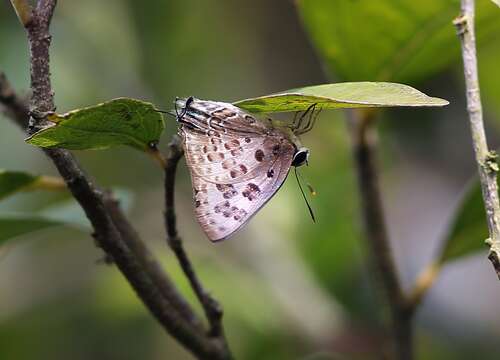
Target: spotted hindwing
{"type": "Point", "coordinates": [237, 163]}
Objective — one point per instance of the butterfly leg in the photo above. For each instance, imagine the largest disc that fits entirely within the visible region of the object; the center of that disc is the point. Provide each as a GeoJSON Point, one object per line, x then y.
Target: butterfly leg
{"type": "Point", "coordinates": [298, 126]}
{"type": "Point", "coordinates": [312, 120]}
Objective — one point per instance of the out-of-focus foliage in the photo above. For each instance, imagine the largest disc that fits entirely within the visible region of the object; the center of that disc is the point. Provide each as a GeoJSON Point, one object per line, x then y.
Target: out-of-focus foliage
{"type": "Point", "coordinates": [13, 225]}
{"type": "Point", "coordinates": [13, 181]}
{"type": "Point", "coordinates": [61, 213]}
{"type": "Point", "coordinates": [116, 122]}
{"type": "Point", "coordinates": [468, 229]}
{"type": "Point", "coordinates": [413, 53]}
{"type": "Point", "coordinates": [392, 40]}
{"type": "Point", "coordinates": [341, 96]}
{"type": "Point", "coordinates": [56, 303]}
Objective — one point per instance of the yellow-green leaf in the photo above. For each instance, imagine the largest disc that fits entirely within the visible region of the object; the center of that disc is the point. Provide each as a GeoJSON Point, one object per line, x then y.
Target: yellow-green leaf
{"type": "Point", "coordinates": [120, 121]}
{"type": "Point", "coordinates": [14, 181]}
{"type": "Point", "coordinates": [341, 95]}
{"type": "Point", "coordinates": [13, 225]}
{"type": "Point", "coordinates": [64, 213]}
{"type": "Point", "coordinates": [468, 229]}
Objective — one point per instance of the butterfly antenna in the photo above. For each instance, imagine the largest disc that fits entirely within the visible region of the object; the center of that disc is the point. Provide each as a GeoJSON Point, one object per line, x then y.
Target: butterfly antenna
{"type": "Point", "coordinates": [305, 197]}
{"type": "Point", "coordinates": [171, 113]}
{"type": "Point", "coordinates": [312, 192]}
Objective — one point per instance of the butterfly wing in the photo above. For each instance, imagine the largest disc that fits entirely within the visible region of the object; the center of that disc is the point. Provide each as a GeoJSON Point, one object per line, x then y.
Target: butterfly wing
{"type": "Point", "coordinates": [236, 163]}
{"type": "Point", "coordinates": [223, 144]}
{"type": "Point", "coordinates": [223, 208]}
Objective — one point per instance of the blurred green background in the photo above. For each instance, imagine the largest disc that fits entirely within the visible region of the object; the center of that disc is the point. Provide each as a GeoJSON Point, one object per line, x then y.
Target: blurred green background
{"type": "Point", "coordinates": [291, 289]}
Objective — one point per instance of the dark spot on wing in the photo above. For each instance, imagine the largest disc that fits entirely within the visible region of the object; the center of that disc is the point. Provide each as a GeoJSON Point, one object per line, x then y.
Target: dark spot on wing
{"type": "Point", "coordinates": [276, 149]}
{"type": "Point", "coordinates": [250, 119]}
{"type": "Point", "coordinates": [251, 191]}
{"type": "Point", "coordinates": [259, 155]}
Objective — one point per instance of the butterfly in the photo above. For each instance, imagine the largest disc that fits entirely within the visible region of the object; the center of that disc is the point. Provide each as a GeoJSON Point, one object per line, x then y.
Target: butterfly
{"type": "Point", "coordinates": [237, 162]}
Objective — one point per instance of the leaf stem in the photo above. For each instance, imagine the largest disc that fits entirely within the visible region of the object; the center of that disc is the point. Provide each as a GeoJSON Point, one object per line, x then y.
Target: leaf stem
{"type": "Point", "coordinates": [486, 159]}
{"type": "Point", "coordinates": [45, 182]}
{"type": "Point", "coordinates": [423, 283]}
{"type": "Point", "coordinates": [157, 156]}
{"type": "Point", "coordinates": [23, 11]}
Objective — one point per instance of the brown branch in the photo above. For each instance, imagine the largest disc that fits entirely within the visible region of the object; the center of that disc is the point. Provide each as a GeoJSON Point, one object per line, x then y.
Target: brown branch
{"type": "Point", "coordinates": [486, 160]}
{"type": "Point", "coordinates": [364, 142]}
{"type": "Point", "coordinates": [14, 106]}
{"type": "Point", "coordinates": [148, 261]}
{"type": "Point", "coordinates": [112, 231]}
{"type": "Point", "coordinates": [110, 239]}
{"type": "Point", "coordinates": [211, 307]}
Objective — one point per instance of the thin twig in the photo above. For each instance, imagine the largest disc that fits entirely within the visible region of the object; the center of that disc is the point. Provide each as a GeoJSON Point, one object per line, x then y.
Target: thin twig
{"type": "Point", "coordinates": [364, 142]}
{"type": "Point", "coordinates": [211, 307]}
{"type": "Point", "coordinates": [486, 160]}
{"type": "Point", "coordinates": [14, 106]}
{"type": "Point", "coordinates": [111, 229]}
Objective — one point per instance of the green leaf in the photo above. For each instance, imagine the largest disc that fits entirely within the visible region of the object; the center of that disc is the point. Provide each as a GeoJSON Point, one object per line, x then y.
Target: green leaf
{"type": "Point", "coordinates": [341, 95]}
{"type": "Point", "coordinates": [14, 181]}
{"type": "Point", "coordinates": [120, 121]}
{"type": "Point", "coordinates": [468, 228]}
{"type": "Point", "coordinates": [390, 40]}
{"type": "Point", "coordinates": [12, 225]}
{"type": "Point", "coordinates": [65, 213]}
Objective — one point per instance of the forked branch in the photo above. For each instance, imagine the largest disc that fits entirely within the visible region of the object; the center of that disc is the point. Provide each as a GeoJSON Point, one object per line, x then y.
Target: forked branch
{"type": "Point", "coordinates": [112, 230]}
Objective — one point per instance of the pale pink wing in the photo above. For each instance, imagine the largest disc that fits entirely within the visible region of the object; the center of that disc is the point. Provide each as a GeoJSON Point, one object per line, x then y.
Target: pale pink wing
{"type": "Point", "coordinates": [237, 164]}
{"type": "Point", "coordinates": [223, 144]}
{"type": "Point", "coordinates": [221, 209]}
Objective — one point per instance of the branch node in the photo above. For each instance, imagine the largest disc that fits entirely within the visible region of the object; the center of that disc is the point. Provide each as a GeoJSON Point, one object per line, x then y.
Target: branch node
{"type": "Point", "coordinates": [460, 23]}
{"type": "Point", "coordinates": [490, 163]}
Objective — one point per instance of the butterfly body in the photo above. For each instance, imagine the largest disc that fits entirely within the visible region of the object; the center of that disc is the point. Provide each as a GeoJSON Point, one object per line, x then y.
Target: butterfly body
{"type": "Point", "coordinates": [237, 162]}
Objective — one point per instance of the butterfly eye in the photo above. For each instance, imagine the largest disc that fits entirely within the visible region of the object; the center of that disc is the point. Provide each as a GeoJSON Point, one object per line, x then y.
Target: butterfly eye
{"type": "Point", "coordinates": [301, 157]}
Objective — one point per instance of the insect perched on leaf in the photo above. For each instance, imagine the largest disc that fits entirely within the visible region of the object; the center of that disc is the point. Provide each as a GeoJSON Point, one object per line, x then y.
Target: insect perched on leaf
{"type": "Point", "coordinates": [237, 162]}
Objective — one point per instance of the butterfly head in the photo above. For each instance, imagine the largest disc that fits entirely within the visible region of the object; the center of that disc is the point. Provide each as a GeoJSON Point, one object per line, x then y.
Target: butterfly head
{"type": "Point", "coordinates": [183, 104]}
{"type": "Point", "coordinates": [300, 157]}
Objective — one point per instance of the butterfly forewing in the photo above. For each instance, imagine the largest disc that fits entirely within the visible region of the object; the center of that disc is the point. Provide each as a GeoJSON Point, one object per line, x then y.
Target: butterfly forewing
{"type": "Point", "coordinates": [237, 163]}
